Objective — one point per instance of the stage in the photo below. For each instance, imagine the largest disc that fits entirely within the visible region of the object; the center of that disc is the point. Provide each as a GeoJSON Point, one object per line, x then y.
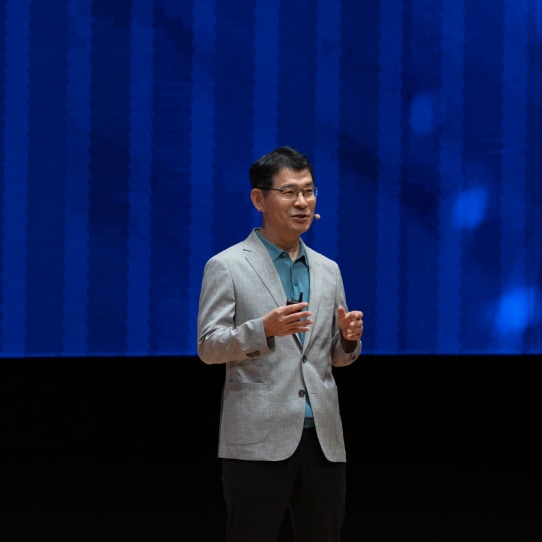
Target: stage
{"type": "Point", "coordinates": [441, 448]}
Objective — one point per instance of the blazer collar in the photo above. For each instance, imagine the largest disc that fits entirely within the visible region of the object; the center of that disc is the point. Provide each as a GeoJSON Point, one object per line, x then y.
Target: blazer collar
{"type": "Point", "coordinates": [258, 258]}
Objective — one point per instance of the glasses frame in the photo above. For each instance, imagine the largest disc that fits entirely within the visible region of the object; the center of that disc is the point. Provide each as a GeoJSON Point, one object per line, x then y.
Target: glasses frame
{"type": "Point", "coordinates": [297, 192]}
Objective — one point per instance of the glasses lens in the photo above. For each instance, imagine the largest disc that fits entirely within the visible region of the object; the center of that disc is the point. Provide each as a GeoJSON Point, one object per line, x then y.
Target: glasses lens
{"type": "Point", "coordinates": [291, 194]}
{"type": "Point", "coordinates": [309, 193]}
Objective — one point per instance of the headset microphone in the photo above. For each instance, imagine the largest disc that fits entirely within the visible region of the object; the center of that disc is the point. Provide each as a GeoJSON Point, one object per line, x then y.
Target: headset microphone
{"type": "Point", "coordinates": [316, 216]}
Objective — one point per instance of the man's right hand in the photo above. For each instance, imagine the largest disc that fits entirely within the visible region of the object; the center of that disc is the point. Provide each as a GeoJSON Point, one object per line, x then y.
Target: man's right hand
{"type": "Point", "coordinates": [287, 320]}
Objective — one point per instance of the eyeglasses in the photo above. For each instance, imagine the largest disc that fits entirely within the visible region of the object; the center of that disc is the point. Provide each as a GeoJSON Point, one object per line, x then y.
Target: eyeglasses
{"type": "Point", "coordinates": [291, 195]}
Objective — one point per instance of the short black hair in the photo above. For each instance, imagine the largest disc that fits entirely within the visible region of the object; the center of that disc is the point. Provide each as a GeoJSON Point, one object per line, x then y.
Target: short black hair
{"type": "Point", "coordinates": [262, 172]}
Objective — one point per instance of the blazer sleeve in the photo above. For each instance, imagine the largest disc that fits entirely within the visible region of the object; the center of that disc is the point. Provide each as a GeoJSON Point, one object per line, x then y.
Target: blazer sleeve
{"type": "Point", "coordinates": [224, 334]}
{"type": "Point", "coordinates": [340, 357]}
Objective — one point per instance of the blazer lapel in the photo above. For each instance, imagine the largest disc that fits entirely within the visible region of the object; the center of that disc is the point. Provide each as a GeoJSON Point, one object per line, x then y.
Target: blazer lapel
{"type": "Point", "coordinates": [259, 259]}
{"type": "Point", "coordinates": [315, 274]}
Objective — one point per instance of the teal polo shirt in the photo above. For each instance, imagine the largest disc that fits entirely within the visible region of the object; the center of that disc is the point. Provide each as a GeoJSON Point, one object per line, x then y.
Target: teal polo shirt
{"type": "Point", "coordinates": [294, 275]}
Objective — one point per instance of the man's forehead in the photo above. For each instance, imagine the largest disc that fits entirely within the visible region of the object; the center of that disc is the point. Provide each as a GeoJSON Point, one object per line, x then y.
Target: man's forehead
{"type": "Point", "coordinates": [288, 176]}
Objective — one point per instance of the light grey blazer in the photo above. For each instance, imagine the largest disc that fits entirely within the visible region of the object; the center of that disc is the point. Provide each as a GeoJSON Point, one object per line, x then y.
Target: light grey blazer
{"type": "Point", "coordinates": [263, 398]}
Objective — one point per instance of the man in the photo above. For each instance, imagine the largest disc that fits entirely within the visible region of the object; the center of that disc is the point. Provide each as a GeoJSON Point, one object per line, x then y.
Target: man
{"type": "Point", "coordinates": [274, 312]}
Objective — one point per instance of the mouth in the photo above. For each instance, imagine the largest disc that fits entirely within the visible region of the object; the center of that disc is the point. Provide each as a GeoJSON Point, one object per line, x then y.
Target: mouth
{"type": "Point", "coordinates": [301, 217]}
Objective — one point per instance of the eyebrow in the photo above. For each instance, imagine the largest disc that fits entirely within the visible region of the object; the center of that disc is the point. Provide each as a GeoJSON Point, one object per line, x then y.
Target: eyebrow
{"type": "Point", "coordinates": [286, 186]}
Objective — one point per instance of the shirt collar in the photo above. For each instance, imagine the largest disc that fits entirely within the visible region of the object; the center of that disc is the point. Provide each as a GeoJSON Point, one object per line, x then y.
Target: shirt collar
{"type": "Point", "coordinates": [275, 252]}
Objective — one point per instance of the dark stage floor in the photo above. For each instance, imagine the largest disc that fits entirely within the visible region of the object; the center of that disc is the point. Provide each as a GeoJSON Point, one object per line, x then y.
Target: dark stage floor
{"type": "Point", "coordinates": [116, 449]}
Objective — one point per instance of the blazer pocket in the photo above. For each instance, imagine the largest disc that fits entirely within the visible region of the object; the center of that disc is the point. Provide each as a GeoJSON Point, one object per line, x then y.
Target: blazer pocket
{"type": "Point", "coordinates": [245, 412]}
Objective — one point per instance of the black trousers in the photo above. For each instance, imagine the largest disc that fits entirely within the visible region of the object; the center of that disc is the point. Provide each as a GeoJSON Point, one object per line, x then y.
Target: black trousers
{"type": "Point", "coordinates": [258, 494]}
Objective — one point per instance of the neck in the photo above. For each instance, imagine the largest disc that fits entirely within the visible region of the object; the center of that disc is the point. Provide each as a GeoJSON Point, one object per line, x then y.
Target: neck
{"type": "Point", "coordinates": [291, 246]}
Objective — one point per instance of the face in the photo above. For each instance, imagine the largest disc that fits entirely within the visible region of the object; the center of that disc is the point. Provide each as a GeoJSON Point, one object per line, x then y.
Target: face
{"type": "Point", "coordinates": [285, 219]}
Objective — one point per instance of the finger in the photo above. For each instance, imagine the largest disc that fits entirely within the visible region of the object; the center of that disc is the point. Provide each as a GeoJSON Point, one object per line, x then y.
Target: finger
{"type": "Point", "coordinates": [296, 307]}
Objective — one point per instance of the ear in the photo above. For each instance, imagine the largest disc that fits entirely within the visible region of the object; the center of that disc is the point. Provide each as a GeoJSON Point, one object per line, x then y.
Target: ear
{"type": "Point", "coordinates": [257, 199]}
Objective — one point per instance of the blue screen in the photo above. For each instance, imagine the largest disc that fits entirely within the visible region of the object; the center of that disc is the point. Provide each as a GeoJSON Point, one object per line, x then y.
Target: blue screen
{"type": "Point", "coordinates": [127, 129]}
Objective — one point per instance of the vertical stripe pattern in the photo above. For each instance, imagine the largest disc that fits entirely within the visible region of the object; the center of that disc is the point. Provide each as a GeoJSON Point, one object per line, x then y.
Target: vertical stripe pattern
{"type": "Point", "coordinates": [15, 139]}
{"type": "Point", "coordinates": [127, 129]}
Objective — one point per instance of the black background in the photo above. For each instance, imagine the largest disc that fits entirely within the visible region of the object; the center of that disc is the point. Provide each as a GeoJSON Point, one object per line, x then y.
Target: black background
{"type": "Point", "coordinates": [439, 448]}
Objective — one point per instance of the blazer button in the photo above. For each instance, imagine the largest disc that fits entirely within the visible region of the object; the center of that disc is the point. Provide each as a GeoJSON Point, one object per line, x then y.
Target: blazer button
{"type": "Point", "coordinates": [304, 360]}
{"type": "Point", "coordinates": [301, 393]}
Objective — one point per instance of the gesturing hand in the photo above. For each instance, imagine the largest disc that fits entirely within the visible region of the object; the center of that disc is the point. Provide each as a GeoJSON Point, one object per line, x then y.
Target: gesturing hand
{"type": "Point", "coordinates": [351, 324]}
{"type": "Point", "coordinates": [287, 320]}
